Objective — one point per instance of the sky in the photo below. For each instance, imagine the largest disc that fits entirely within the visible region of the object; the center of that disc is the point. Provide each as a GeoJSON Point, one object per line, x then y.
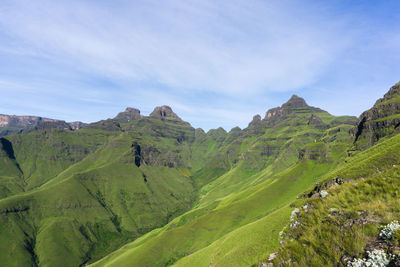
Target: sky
{"type": "Point", "coordinates": [216, 63]}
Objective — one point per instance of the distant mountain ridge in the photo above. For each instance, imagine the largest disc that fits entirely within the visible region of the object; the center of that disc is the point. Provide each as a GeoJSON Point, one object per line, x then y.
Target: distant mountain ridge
{"type": "Point", "coordinates": [138, 190]}
{"type": "Point", "coordinates": [12, 124]}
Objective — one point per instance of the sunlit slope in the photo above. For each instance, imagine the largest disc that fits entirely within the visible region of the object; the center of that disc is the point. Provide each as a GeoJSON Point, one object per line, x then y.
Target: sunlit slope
{"type": "Point", "coordinates": [249, 198]}
{"type": "Point", "coordinates": [201, 227]}
{"type": "Point", "coordinates": [111, 196]}
{"type": "Point", "coordinates": [274, 144]}
{"type": "Point", "coordinates": [347, 222]}
{"type": "Point", "coordinates": [76, 196]}
{"type": "Point", "coordinates": [41, 155]}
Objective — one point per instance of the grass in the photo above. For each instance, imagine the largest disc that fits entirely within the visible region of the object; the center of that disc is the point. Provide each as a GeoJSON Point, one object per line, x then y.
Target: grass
{"type": "Point", "coordinates": [368, 200]}
{"type": "Point", "coordinates": [185, 198]}
{"type": "Point", "coordinates": [247, 198]}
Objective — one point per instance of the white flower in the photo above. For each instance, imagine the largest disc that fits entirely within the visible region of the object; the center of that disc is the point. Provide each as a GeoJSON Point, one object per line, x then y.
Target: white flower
{"type": "Point", "coordinates": [376, 258]}
{"type": "Point", "coordinates": [272, 256]}
{"type": "Point", "coordinates": [323, 193]}
{"type": "Point", "coordinates": [294, 213]}
{"type": "Point", "coordinates": [281, 234]}
{"type": "Point", "coordinates": [388, 231]}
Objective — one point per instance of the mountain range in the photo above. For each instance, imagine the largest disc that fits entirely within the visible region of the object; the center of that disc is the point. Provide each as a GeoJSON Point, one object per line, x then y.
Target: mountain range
{"type": "Point", "coordinates": [296, 187]}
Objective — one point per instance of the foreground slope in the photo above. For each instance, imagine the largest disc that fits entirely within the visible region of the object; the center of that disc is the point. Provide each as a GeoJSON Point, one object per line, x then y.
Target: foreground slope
{"type": "Point", "coordinates": [362, 198]}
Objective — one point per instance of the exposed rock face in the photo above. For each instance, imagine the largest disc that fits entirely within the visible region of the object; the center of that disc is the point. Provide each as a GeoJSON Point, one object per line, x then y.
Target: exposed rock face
{"type": "Point", "coordinates": [130, 114]}
{"type": "Point", "coordinates": [256, 120]}
{"type": "Point", "coordinates": [295, 102]}
{"type": "Point", "coordinates": [381, 120]}
{"type": "Point", "coordinates": [52, 125]}
{"type": "Point", "coordinates": [12, 124]}
{"type": "Point", "coordinates": [24, 121]}
{"type": "Point", "coordinates": [273, 112]}
{"type": "Point", "coordinates": [316, 122]}
{"type": "Point", "coordinates": [137, 154]}
{"type": "Point", "coordinates": [76, 125]}
{"type": "Point", "coordinates": [163, 112]}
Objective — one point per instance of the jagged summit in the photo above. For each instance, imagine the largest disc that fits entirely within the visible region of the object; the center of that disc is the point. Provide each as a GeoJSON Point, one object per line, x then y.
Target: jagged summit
{"type": "Point", "coordinates": [128, 115]}
{"type": "Point", "coordinates": [162, 112]}
{"type": "Point", "coordinates": [381, 120]}
{"type": "Point", "coordinates": [295, 102]}
{"type": "Point", "coordinates": [132, 110]}
{"type": "Point", "coordinates": [393, 92]}
{"type": "Point", "coordinates": [256, 120]}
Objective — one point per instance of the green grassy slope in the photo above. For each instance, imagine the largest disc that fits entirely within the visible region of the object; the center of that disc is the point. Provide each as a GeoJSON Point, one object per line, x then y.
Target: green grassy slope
{"type": "Point", "coordinates": [151, 191]}
{"type": "Point", "coordinates": [347, 223]}
{"type": "Point", "coordinates": [265, 175]}
{"type": "Point", "coordinates": [98, 203]}
{"type": "Point", "coordinates": [11, 177]}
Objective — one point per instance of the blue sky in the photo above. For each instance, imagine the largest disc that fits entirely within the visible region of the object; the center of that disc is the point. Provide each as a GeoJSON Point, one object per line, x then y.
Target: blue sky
{"type": "Point", "coordinates": [216, 63]}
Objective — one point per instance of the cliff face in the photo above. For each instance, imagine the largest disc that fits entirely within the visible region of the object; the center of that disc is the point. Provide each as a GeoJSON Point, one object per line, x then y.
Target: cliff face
{"type": "Point", "coordinates": [163, 112]}
{"type": "Point", "coordinates": [381, 120]}
{"type": "Point", "coordinates": [24, 121]}
{"type": "Point", "coordinates": [130, 114]}
{"type": "Point", "coordinates": [294, 105]}
{"type": "Point", "coordinates": [12, 124]}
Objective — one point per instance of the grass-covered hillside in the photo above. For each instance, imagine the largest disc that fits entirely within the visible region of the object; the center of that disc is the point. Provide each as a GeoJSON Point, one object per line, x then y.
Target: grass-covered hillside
{"type": "Point", "coordinates": [153, 191]}
{"type": "Point", "coordinates": [237, 216]}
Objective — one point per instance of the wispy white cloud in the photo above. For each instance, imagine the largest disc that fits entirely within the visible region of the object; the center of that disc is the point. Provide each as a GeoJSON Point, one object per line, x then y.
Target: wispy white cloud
{"type": "Point", "coordinates": [216, 55]}
{"type": "Point", "coordinates": [199, 45]}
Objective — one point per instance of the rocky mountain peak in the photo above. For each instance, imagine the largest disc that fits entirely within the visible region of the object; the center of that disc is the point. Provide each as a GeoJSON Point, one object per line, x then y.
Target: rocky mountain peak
{"type": "Point", "coordinates": [162, 112]}
{"type": "Point", "coordinates": [256, 120]}
{"type": "Point", "coordinates": [295, 102]}
{"type": "Point", "coordinates": [132, 110]}
{"type": "Point", "coordinates": [288, 107]}
{"type": "Point", "coordinates": [130, 114]}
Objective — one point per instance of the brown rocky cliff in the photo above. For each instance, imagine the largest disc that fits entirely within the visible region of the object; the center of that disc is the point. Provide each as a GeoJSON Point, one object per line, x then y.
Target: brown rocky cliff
{"type": "Point", "coordinates": [163, 112]}
{"type": "Point", "coordinates": [13, 120]}
{"type": "Point", "coordinates": [130, 114]}
{"type": "Point", "coordinates": [381, 120]}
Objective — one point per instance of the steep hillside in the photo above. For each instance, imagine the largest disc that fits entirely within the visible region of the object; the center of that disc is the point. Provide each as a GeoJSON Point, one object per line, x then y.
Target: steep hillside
{"type": "Point", "coordinates": [350, 217]}
{"type": "Point", "coordinates": [153, 191]}
{"type": "Point", "coordinates": [383, 119]}
{"type": "Point", "coordinates": [84, 193]}
{"type": "Point", "coordinates": [268, 165]}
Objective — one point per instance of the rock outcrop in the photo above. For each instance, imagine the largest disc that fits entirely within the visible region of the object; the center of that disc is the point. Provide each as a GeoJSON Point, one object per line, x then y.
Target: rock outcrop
{"type": "Point", "coordinates": [256, 120]}
{"type": "Point", "coordinates": [23, 121]}
{"type": "Point", "coordinates": [130, 114]}
{"type": "Point", "coordinates": [76, 125]}
{"type": "Point", "coordinates": [12, 124]}
{"type": "Point", "coordinates": [381, 120]}
{"type": "Point", "coordinates": [316, 122]}
{"type": "Point", "coordinates": [294, 104]}
{"type": "Point", "coordinates": [163, 112]}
